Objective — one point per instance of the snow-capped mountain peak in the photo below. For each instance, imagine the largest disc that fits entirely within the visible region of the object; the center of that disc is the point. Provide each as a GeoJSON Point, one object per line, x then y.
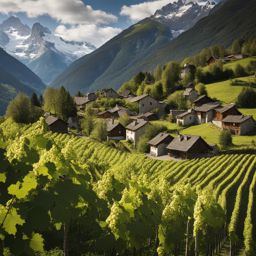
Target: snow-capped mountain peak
{"type": "Point", "coordinates": [36, 46]}
{"type": "Point", "coordinates": [183, 14]}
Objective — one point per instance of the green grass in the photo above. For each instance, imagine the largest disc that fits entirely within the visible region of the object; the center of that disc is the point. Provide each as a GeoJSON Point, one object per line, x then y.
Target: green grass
{"type": "Point", "coordinates": [211, 133]}
{"type": "Point", "coordinates": [167, 124]}
{"type": "Point", "coordinates": [224, 91]}
{"type": "Point", "coordinates": [243, 62]}
{"type": "Point", "coordinates": [231, 65]}
{"type": "Point", "coordinates": [249, 112]}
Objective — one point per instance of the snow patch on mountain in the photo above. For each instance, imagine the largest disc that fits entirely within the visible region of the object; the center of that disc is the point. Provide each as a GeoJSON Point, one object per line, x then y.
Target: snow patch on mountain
{"type": "Point", "coordinates": [183, 14]}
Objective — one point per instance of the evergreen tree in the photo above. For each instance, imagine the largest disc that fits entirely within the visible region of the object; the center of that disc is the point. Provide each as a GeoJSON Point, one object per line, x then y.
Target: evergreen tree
{"type": "Point", "coordinates": [236, 47]}
{"type": "Point", "coordinates": [100, 131]}
{"type": "Point", "coordinates": [225, 138]}
{"type": "Point", "coordinates": [201, 89]}
{"type": "Point", "coordinates": [35, 101]}
{"type": "Point", "coordinates": [158, 73]}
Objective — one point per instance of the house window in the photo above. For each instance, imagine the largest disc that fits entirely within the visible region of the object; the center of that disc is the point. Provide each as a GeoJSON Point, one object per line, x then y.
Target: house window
{"type": "Point", "coordinates": [151, 103]}
{"type": "Point", "coordinates": [142, 105]}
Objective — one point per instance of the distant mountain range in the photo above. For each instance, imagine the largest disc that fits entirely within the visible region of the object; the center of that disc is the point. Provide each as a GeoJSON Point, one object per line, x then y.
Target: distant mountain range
{"type": "Point", "coordinates": [125, 55]}
{"type": "Point", "coordinates": [46, 54]}
{"type": "Point", "coordinates": [16, 77]}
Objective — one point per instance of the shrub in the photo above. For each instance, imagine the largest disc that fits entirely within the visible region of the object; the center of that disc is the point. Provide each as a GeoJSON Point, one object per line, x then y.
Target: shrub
{"type": "Point", "coordinates": [21, 110]}
{"type": "Point", "coordinates": [247, 98]}
{"type": "Point", "coordinates": [177, 101]}
{"type": "Point", "coordinates": [225, 138]}
{"type": "Point", "coordinates": [149, 134]}
{"type": "Point", "coordinates": [87, 125]}
{"type": "Point", "coordinates": [201, 89]}
{"type": "Point", "coordinates": [239, 71]}
{"type": "Point", "coordinates": [100, 131]}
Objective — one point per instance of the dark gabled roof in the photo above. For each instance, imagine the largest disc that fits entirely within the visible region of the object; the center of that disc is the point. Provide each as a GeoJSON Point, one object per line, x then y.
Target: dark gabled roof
{"type": "Point", "coordinates": [111, 125]}
{"type": "Point", "coordinates": [183, 143]}
{"type": "Point", "coordinates": [161, 137]}
{"type": "Point", "coordinates": [138, 98]}
{"type": "Point", "coordinates": [104, 112]}
{"type": "Point", "coordinates": [117, 108]}
{"type": "Point", "coordinates": [79, 101]}
{"type": "Point", "coordinates": [147, 114]}
{"type": "Point", "coordinates": [202, 97]}
{"type": "Point", "coordinates": [52, 119]}
{"type": "Point", "coordinates": [136, 125]}
{"type": "Point", "coordinates": [207, 107]}
{"type": "Point", "coordinates": [189, 112]}
{"type": "Point", "coordinates": [236, 119]}
{"type": "Point", "coordinates": [225, 108]}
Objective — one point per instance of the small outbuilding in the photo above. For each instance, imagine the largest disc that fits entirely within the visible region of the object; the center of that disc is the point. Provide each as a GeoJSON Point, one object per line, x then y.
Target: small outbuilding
{"type": "Point", "coordinates": [56, 124]}
{"type": "Point", "coordinates": [158, 145]}
{"type": "Point", "coordinates": [188, 146]}
{"type": "Point", "coordinates": [115, 131]}
{"type": "Point", "coordinates": [186, 119]}
{"type": "Point", "coordinates": [206, 112]}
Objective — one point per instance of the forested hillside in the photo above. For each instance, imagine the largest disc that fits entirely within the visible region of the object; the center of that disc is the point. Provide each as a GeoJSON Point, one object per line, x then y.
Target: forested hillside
{"type": "Point", "coordinates": [147, 44]}
{"type": "Point", "coordinates": [134, 207]}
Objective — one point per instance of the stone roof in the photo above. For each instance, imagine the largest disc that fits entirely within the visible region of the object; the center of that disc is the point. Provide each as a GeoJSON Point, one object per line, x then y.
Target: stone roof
{"type": "Point", "coordinates": [161, 137]}
{"type": "Point", "coordinates": [138, 98]}
{"type": "Point", "coordinates": [207, 107]}
{"type": "Point", "coordinates": [225, 108]}
{"type": "Point", "coordinates": [51, 119]}
{"type": "Point", "coordinates": [80, 101]}
{"type": "Point", "coordinates": [189, 112]}
{"type": "Point", "coordinates": [136, 125]}
{"type": "Point", "coordinates": [183, 142]}
{"type": "Point", "coordinates": [236, 119]}
{"type": "Point", "coordinates": [111, 125]}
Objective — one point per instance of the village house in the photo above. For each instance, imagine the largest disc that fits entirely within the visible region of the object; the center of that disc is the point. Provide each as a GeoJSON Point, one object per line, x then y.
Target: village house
{"type": "Point", "coordinates": [188, 146]}
{"type": "Point", "coordinates": [149, 116]}
{"type": "Point", "coordinates": [187, 118]}
{"type": "Point", "coordinates": [158, 145]}
{"type": "Point", "coordinates": [190, 94]}
{"type": "Point", "coordinates": [135, 130]}
{"type": "Point", "coordinates": [222, 112]}
{"type": "Point", "coordinates": [174, 113]}
{"type": "Point", "coordinates": [201, 100]}
{"type": "Point", "coordinates": [56, 125]}
{"type": "Point", "coordinates": [239, 124]}
{"type": "Point", "coordinates": [81, 102]}
{"type": "Point", "coordinates": [145, 103]}
{"type": "Point", "coordinates": [109, 93]}
{"type": "Point", "coordinates": [115, 131]}
{"type": "Point", "coordinates": [212, 60]}
{"type": "Point", "coordinates": [115, 112]}
{"type": "Point", "coordinates": [206, 112]}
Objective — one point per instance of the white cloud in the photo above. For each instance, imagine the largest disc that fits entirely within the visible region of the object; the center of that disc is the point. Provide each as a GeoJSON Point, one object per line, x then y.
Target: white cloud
{"type": "Point", "coordinates": [140, 11]}
{"type": "Point", "coordinates": [64, 11]}
{"type": "Point", "coordinates": [90, 33]}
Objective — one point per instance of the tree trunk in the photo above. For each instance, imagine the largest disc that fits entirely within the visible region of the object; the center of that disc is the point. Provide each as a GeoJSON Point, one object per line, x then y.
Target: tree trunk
{"type": "Point", "coordinates": [65, 240]}
{"type": "Point", "coordinates": [187, 239]}
{"type": "Point", "coordinates": [196, 245]}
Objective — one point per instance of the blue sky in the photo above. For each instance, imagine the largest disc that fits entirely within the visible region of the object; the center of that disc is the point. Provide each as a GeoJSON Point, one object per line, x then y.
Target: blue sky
{"type": "Point", "coordinates": [94, 21]}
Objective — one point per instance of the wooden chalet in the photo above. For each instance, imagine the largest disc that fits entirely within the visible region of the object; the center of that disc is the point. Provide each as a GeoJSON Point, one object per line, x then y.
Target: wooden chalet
{"type": "Point", "coordinates": [115, 131]}
{"type": "Point", "coordinates": [223, 112]}
{"type": "Point", "coordinates": [56, 124]}
{"type": "Point", "coordinates": [239, 124]}
{"type": "Point", "coordinates": [158, 145]}
{"type": "Point", "coordinates": [188, 146]}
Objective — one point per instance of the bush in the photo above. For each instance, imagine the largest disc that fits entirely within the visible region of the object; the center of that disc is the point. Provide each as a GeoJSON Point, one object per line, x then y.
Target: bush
{"type": "Point", "coordinates": [177, 101]}
{"type": "Point", "coordinates": [239, 71]}
{"type": "Point", "coordinates": [21, 110]}
{"type": "Point", "coordinates": [149, 134]}
{"type": "Point", "coordinates": [225, 138]}
{"type": "Point", "coordinates": [247, 98]}
{"type": "Point", "coordinates": [87, 125]}
{"type": "Point", "coordinates": [100, 131]}
{"type": "Point", "coordinates": [201, 89]}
